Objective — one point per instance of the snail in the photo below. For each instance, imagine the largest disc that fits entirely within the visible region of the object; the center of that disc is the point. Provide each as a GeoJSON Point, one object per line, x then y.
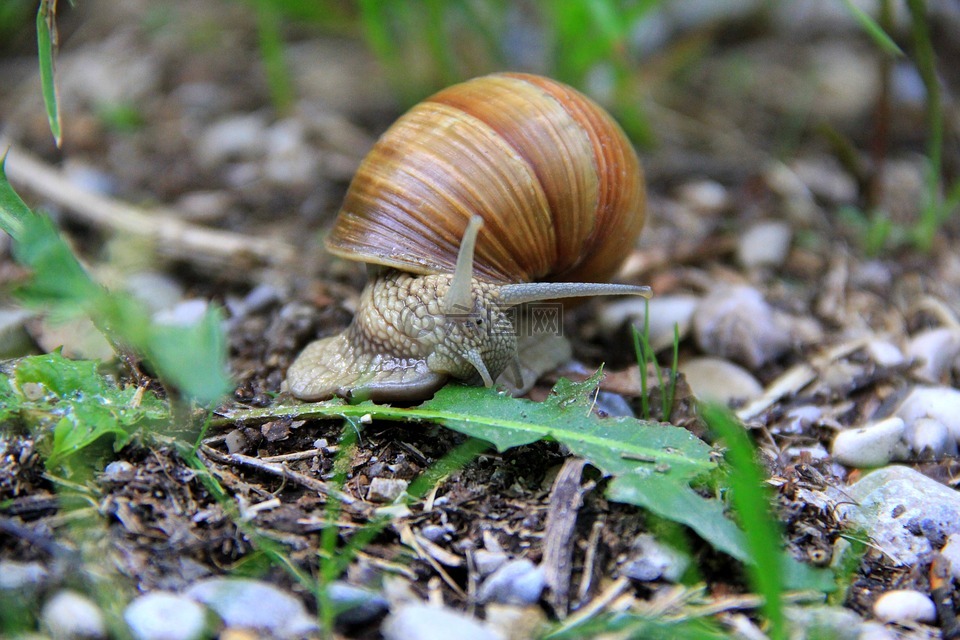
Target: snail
{"type": "Point", "coordinates": [503, 190]}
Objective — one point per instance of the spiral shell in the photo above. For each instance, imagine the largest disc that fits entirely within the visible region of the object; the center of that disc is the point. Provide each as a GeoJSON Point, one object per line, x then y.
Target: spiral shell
{"type": "Point", "coordinates": [554, 178]}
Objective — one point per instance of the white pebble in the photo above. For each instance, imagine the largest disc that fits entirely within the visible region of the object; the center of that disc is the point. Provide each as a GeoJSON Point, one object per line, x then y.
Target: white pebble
{"type": "Point", "coordinates": [21, 575]}
{"type": "Point", "coordinates": [386, 489]}
{"type": "Point", "coordinates": [904, 605]}
{"type": "Point", "coordinates": [251, 604]}
{"type": "Point", "coordinates": [736, 323]}
{"type": "Point", "coordinates": [162, 615]}
{"type": "Point", "coordinates": [517, 582]}
{"type": "Point", "coordinates": [869, 446]}
{"type": "Point", "coordinates": [934, 350]}
{"type": "Point", "coordinates": [939, 403]}
{"type": "Point", "coordinates": [716, 380]}
{"type": "Point", "coordinates": [666, 312]}
{"type": "Point", "coordinates": [236, 136]}
{"type": "Point", "coordinates": [951, 551]}
{"type": "Point", "coordinates": [423, 622]}
{"type": "Point", "coordinates": [703, 195]}
{"type": "Point", "coordinates": [764, 244]}
{"type": "Point", "coordinates": [71, 615]}
{"type": "Point", "coordinates": [885, 353]}
{"type": "Point", "coordinates": [930, 439]}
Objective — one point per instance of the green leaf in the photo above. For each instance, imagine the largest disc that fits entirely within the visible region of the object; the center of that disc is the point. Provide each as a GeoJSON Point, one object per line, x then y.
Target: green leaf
{"type": "Point", "coordinates": [79, 407]}
{"type": "Point", "coordinates": [615, 445]}
{"type": "Point", "coordinates": [46, 28]}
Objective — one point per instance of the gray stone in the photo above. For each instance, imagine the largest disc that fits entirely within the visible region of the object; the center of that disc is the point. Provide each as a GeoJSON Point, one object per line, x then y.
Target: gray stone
{"type": "Point", "coordinates": [424, 622]}
{"type": "Point", "coordinates": [765, 244]}
{"type": "Point", "coordinates": [19, 576]}
{"type": "Point", "coordinates": [517, 582]}
{"type": "Point", "coordinates": [736, 323]}
{"type": "Point", "coordinates": [930, 439]}
{"type": "Point", "coordinates": [716, 380]}
{"type": "Point", "coordinates": [251, 604]}
{"type": "Point", "coordinates": [903, 511]}
{"type": "Point", "coordinates": [904, 606]}
{"type": "Point", "coordinates": [934, 350]}
{"type": "Point", "coordinates": [817, 622]}
{"type": "Point", "coordinates": [652, 560]}
{"type": "Point", "coordinates": [870, 446]}
{"type": "Point", "coordinates": [939, 403]}
{"type": "Point", "coordinates": [951, 551]}
{"type": "Point", "coordinates": [162, 615]}
{"type": "Point", "coordinates": [386, 489]}
{"type": "Point", "coordinates": [70, 615]}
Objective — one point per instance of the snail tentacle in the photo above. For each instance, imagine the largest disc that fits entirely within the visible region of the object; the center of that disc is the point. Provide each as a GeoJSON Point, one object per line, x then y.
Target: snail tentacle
{"type": "Point", "coordinates": [514, 294]}
{"type": "Point", "coordinates": [459, 297]}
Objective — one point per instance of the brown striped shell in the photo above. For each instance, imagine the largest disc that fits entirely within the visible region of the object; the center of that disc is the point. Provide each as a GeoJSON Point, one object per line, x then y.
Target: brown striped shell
{"type": "Point", "coordinates": [554, 178]}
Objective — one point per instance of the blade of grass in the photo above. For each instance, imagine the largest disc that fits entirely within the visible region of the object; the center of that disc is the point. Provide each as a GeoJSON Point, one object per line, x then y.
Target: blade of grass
{"type": "Point", "coordinates": [270, 41]}
{"type": "Point", "coordinates": [46, 45]}
{"type": "Point", "coordinates": [873, 29]}
{"type": "Point", "coordinates": [751, 502]}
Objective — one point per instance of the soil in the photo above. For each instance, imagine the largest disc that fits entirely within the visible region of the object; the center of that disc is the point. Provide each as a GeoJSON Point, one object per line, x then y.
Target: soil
{"type": "Point", "coordinates": [740, 120]}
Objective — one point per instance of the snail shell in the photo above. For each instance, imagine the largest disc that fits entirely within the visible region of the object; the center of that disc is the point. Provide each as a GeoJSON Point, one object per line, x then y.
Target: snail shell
{"type": "Point", "coordinates": [505, 189]}
{"type": "Point", "coordinates": [556, 181]}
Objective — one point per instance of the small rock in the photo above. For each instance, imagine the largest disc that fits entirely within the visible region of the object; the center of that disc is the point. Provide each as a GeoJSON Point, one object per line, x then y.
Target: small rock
{"type": "Point", "coordinates": [906, 513]}
{"type": "Point", "coordinates": [666, 312]}
{"type": "Point", "coordinates": [71, 615]}
{"type": "Point", "coordinates": [355, 605]}
{"type": "Point", "coordinates": [236, 442]}
{"type": "Point", "coordinates": [930, 439]}
{"type": "Point", "coordinates": [423, 622]}
{"type": "Point", "coordinates": [433, 532]}
{"type": "Point", "coordinates": [716, 380]}
{"type": "Point", "coordinates": [736, 323]}
{"type": "Point", "coordinates": [251, 604]}
{"type": "Point", "coordinates": [869, 446]}
{"type": "Point", "coordinates": [236, 136]}
{"type": "Point", "coordinates": [517, 582]}
{"type": "Point", "coordinates": [885, 353]}
{"type": "Point", "coordinates": [951, 551]}
{"type": "Point", "coordinates": [183, 314]}
{"type": "Point", "coordinates": [934, 350]}
{"type": "Point", "coordinates": [487, 562]}
{"type": "Point", "coordinates": [651, 560]}
{"type": "Point", "coordinates": [21, 575]}
{"type": "Point", "coordinates": [204, 206]}
{"type": "Point", "coordinates": [904, 606]}
{"type": "Point", "coordinates": [156, 291]}
{"type": "Point", "coordinates": [290, 160]}
{"type": "Point", "coordinates": [516, 623]}
{"type": "Point", "coordinates": [162, 615]}
{"type": "Point", "coordinates": [765, 244]}
{"type": "Point", "coordinates": [871, 630]}
{"type": "Point", "coordinates": [119, 471]}
{"type": "Point", "coordinates": [386, 489]}
{"type": "Point", "coordinates": [819, 621]}
{"type": "Point", "coordinates": [939, 403]}
{"type": "Point", "coordinates": [704, 196]}
{"type": "Point", "coordinates": [799, 419]}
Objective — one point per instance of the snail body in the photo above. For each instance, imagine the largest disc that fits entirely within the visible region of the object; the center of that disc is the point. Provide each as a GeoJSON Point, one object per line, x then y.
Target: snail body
{"type": "Point", "coordinates": [463, 205]}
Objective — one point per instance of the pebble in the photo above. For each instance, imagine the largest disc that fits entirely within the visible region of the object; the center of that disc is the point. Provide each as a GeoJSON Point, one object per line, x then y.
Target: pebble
{"type": "Point", "coordinates": [20, 576]}
{"type": "Point", "coordinates": [765, 244]}
{"type": "Point", "coordinates": [487, 562]}
{"type": "Point", "coordinates": [162, 615]}
{"type": "Point", "coordinates": [870, 446]}
{"type": "Point", "coordinates": [885, 353]}
{"type": "Point", "coordinates": [935, 351]}
{"type": "Point", "coordinates": [705, 196]}
{"type": "Point", "coordinates": [517, 582]}
{"type": "Point", "coordinates": [818, 621]}
{"type": "Point", "coordinates": [183, 314]}
{"type": "Point", "coordinates": [235, 136]}
{"type": "Point", "coordinates": [716, 380]}
{"type": "Point", "coordinates": [736, 323]}
{"type": "Point", "coordinates": [424, 622]}
{"type": "Point", "coordinates": [386, 489]}
{"type": "Point", "coordinates": [799, 419]}
{"type": "Point", "coordinates": [939, 403]}
{"type": "Point", "coordinates": [119, 471]}
{"type": "Point", "coordinates": [904, 606]}
{"type": "Point", "coordinates": [951, 551]}
{"type": "Point", "coordinates": [204, 206]}
{"type": "Point", "coordinates": [652, 560]}
{"type": "Point", "coordinates": [71, 615]}
{"type": "Point", "coordinates": [930, 439]}
{"type": "Point", "coordinates": [355, 605]}
{"type": "Point", "coordinates": [872, 630]}
{"type": "Point", "coordinates": [666, 312]}
{"type": "Point", "coordinates": [904, 512]}
{"type": "Point", "coordinates": [290, 161]}
{"type": "Point", "coordinates": [156, 291]}
{"type": "Point", "coordinates": [255, 605]}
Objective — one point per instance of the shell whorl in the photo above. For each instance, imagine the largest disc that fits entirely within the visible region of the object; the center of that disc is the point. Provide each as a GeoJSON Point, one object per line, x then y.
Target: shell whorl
{"type": "Point", "coordinates": [557, 183]}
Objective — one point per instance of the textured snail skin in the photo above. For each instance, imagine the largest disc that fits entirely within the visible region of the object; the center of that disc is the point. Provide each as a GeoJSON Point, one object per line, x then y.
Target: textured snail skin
{"type": "Point", "coordinates": [403, 346]}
